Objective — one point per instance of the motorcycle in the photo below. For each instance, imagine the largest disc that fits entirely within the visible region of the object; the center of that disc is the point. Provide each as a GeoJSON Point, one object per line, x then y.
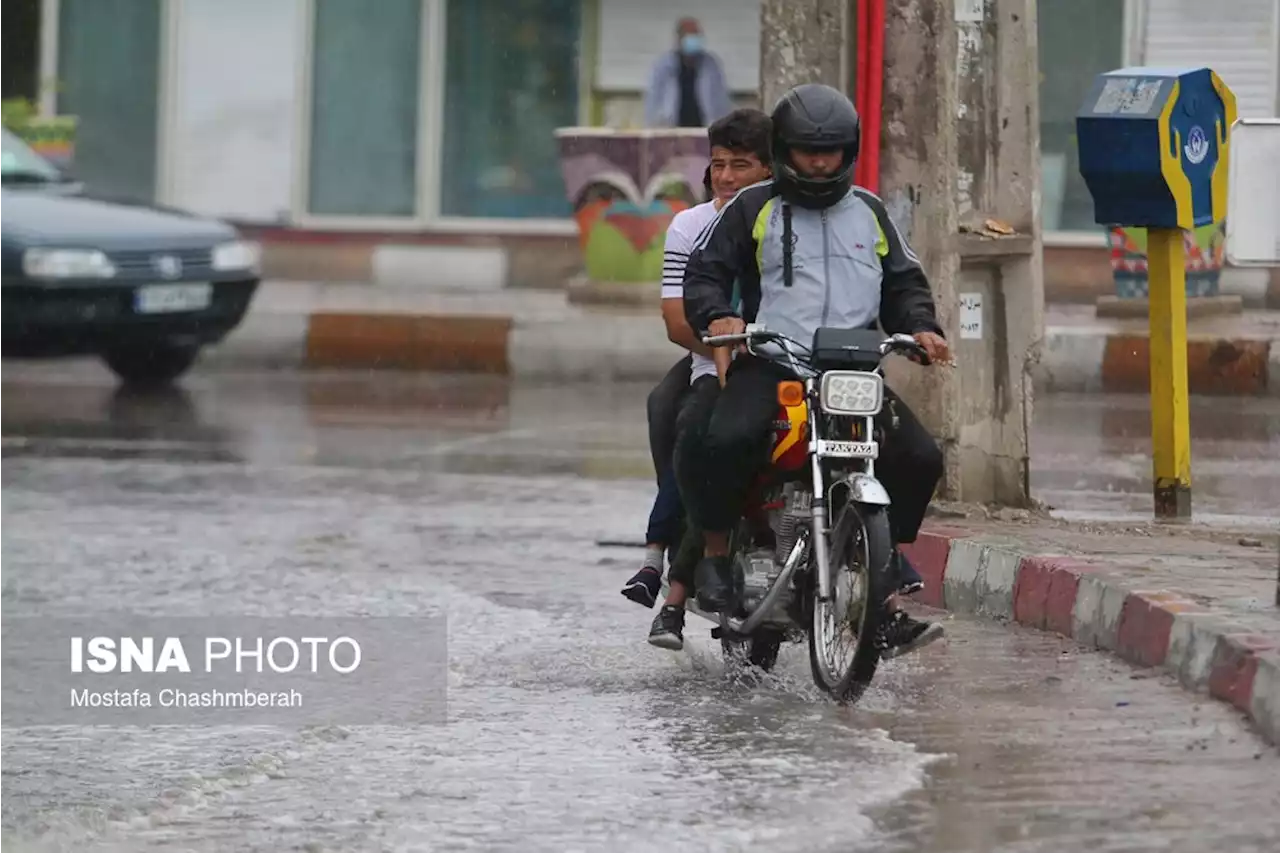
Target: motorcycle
{"type": "Point", "coordinates": [796, 574]}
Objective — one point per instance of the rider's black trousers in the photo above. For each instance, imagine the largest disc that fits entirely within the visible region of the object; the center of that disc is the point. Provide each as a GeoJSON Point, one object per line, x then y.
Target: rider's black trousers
{"type": "Point", "coordinates": [691, 428]}
{"type": "Point", "coordinates": [716, 473]}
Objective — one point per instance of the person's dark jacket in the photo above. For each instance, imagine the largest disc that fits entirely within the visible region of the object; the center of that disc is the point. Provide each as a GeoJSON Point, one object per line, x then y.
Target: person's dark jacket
{"type": "Point", "coordinates": [850, 267]}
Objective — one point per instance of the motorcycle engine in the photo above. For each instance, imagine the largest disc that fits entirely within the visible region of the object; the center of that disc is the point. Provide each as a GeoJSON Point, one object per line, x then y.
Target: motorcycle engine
{"type": "Point", "coordinates": [791, 519]}
{"type": "Point", "coordinates": [760, 567]}
{"type": "Point", "coordinates": [758, 570]}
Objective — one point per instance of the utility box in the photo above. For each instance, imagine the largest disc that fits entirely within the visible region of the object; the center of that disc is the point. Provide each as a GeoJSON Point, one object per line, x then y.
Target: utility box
{"type": "Point", "coordinates": [1153, 147]}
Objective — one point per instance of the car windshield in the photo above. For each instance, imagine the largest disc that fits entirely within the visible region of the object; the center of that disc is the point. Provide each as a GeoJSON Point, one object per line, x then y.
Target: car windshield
{"type": "Point", "coordinates": [20, 165]}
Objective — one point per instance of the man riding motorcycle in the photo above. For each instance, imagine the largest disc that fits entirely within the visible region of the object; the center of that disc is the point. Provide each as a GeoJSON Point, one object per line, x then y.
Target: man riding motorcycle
{"type": "Point", "coordinates": [849, 266]}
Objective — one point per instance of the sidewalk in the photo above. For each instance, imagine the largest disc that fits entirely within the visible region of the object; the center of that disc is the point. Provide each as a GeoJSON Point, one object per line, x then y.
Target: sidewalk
{"type": "Point", "coordinates": [540, 334]}
{"type": "Point", "coordinates": [1196, 603]}
{"type": "Point", "coordinates": [1235, 354]}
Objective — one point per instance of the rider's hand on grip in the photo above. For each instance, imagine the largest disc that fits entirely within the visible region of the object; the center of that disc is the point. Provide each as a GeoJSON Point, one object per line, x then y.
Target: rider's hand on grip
{"type": "Point", "coordinates": [935, 346]}
{"type": "Point", "coordinates": [726, 326]}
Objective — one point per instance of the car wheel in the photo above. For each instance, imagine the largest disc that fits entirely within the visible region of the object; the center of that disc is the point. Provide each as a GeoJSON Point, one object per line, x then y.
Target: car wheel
{"type": "Point", "coordinates": [151, 364]}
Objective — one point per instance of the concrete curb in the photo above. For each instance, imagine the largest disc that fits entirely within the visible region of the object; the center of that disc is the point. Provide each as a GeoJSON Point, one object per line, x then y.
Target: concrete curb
{"type": "Point", "coordinates": [1166, 629]}
{"type": "Point", "coordinates": [1082, 359]}
{"type": "Point", "coordinates": [615, 346]}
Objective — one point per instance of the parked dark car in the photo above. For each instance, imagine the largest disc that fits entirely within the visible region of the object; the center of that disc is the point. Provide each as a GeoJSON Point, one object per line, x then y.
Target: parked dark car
{"type": "Point", "coordinates": [140, 286]}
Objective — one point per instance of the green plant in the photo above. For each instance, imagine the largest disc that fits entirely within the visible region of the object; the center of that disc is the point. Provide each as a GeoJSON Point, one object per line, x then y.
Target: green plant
{"type": "Point", "coordinates": [18, 113]}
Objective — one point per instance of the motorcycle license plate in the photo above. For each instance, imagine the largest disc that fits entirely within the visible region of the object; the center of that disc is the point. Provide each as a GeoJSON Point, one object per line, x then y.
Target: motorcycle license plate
{"type": "Point", "coordinates": [849, 449]}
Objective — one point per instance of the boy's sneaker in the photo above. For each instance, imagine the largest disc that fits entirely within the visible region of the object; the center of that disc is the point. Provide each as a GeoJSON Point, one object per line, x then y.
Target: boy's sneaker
{"type": "Point", "coordinates": [668, 628]}
{"type": "Point", "coordinates": [644, 586]}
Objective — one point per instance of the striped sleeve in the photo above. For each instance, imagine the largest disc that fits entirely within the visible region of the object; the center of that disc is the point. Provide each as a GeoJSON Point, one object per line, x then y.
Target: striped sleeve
{"type": "Point", "coordinates": [679, 243]}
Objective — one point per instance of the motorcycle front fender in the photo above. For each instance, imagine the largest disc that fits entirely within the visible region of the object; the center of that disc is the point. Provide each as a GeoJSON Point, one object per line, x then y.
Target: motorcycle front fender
{"type": "Point", "coordinates": [865, 489]}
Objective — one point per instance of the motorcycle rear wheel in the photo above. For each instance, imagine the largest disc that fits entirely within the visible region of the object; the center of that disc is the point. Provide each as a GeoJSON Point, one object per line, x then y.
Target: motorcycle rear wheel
{"type": "Point", "coordinates": [860, 555]}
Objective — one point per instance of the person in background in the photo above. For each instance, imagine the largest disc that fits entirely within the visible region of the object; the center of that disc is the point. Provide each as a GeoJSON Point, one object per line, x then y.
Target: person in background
{"type": "Point", "coordinates": [687, 86]}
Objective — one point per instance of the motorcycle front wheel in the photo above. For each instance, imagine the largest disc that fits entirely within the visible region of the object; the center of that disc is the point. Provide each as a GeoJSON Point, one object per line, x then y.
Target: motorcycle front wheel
{"type": "Point", "coordinates": [842, 638]}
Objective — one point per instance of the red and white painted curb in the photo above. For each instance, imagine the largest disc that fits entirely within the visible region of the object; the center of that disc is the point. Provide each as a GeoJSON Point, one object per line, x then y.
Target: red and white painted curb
{"type": "Point", "coordinates": [1149, 627]}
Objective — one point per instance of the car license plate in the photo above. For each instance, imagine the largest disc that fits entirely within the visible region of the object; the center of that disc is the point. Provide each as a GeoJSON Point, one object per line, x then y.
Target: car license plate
{"type": "Point", "coordinates": [171, 298]}
{"type": "Point", "coordinates": [849, 449]}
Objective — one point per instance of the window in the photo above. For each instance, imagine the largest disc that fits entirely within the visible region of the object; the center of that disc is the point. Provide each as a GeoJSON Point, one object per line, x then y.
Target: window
{"type": "Point", "coordinates": [20, 78]}
{"type": "Point", "coordinates": [1078, 41]}
{"type": "Point", "coordinates": [364, 108]}
{"type": "Point", "coordinates": [108, 75]}
{"type": "Point", "coordinates": [511, 79]}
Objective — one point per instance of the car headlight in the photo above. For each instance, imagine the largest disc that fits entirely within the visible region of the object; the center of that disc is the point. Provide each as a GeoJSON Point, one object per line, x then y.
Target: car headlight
{"type": "Point", "coordinates": [850, 393]}
{"type": "Point", "coordinates": [238, 255]}
{"type": "Point", "coordinates": [67, 263]}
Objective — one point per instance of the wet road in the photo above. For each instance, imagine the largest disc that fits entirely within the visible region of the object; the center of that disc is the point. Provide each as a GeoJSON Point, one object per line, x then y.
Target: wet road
{"type": "Point", "coordinates": [395, 496]}
{"type": "Point", "coordinates": [1091, 454]}
{"type": "Point", "coordinates": [1091, 457]}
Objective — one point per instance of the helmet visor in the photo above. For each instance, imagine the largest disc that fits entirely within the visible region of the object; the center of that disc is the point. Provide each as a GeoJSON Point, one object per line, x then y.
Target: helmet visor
{"type": "Point", "coordinates": [811, 161]}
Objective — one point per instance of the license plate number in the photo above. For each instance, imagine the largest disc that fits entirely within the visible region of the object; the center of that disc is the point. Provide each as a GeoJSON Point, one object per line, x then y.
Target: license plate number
{"type": "Point", "coordinates": [849, 449]}
{"type": "Point", "coordinates": [171, 298]}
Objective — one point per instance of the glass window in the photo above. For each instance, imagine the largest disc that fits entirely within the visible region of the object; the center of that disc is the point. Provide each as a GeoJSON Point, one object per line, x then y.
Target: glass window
{"type": "Point", "coordinates": [511, 79]}
{"type": "Point", "coordinates": [1078, 41]}
{"type": "Point", "coordinates": [364, 108]}
{"type": "Point", "coordinates": [21, 77]}
{"type": "Point", "coordinates": [108, 78]}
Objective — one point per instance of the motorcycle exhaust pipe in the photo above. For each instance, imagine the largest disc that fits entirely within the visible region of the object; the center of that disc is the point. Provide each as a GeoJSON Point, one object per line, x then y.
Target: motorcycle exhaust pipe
{"type": "Point", "coordinates": [752, 622]}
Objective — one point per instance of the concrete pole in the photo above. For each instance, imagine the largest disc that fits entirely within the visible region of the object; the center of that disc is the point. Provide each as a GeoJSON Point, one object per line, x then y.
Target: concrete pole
{"type": "Point", "coordinates": [960, 148]}
{"type": "Point", "coordinates": [801, 41]}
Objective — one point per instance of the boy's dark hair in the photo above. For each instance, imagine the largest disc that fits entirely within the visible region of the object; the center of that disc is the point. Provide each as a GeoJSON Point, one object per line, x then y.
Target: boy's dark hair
{"type": "Point", "coordinates": [743, 130]}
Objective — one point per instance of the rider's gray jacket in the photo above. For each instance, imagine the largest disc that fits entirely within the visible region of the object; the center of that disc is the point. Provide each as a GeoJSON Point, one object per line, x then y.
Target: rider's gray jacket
{"type": "Point", "coordinates": [850, 266]}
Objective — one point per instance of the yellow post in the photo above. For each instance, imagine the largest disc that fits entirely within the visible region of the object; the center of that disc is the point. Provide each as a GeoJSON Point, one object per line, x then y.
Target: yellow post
{"type": "Point", "coordinates": [1170, 415]}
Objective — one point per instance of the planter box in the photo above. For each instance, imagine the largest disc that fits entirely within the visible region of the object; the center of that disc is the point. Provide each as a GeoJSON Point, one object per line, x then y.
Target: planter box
{"type": "Point", "coordinates": [625, 186]}
{"type": "Point", "coordinates": [52, 138]}
{"type": "Point", "coordinates": [1205, 251]}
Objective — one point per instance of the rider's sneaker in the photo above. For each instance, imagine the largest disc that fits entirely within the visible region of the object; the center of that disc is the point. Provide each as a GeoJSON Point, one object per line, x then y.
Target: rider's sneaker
{"type": "Point", "coordinates": [901, 635]}
{"type": "Point", "coordinates": [713, 578]}
{"type": "Point", "coordinates": [668, 628]}
{"type": "Point", "coordinates": [644, 586]}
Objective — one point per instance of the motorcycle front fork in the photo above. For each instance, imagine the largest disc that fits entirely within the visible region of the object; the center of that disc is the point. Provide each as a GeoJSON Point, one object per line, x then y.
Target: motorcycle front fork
{"type": "Point", "coordinates": [819, 520]}
{"type": "Point", "coordinates": [818, 507]}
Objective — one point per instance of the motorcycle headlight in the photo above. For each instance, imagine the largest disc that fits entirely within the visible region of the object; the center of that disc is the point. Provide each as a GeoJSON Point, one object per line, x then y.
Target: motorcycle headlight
{"type": "Point", "coordinates": [238, 255]}
{"type": "Point", "coordinates": [67, 263]}
{"type": "Point", "coordinates": [850, 393]}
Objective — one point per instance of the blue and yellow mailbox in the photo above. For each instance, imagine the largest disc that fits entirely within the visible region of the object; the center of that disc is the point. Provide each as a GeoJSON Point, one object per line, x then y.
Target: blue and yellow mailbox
{"type": "Point", "coordinates": [1153, 152]}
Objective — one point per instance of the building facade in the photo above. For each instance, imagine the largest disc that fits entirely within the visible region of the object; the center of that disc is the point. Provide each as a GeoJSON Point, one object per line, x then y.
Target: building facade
{"type": "Point", "coordinates": [437, 116]}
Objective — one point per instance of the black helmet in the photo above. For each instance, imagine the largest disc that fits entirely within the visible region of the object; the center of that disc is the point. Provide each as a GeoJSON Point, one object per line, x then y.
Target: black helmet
{"type": "Point", "coordinates": [814, 116]}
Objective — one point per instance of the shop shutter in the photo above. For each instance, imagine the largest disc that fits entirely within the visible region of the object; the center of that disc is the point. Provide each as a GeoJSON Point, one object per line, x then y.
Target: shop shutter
{"type": "Point", "coordinates": [1237, 39]}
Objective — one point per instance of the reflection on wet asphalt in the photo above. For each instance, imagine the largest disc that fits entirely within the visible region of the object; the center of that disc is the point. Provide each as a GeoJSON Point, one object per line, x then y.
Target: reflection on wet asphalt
{"type": "Point", "coordinates": [566, 731]}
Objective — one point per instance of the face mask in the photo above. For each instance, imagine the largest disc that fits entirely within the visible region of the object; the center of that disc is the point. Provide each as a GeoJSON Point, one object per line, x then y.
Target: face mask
{"type": "Point", "coordinates": [691, 44]}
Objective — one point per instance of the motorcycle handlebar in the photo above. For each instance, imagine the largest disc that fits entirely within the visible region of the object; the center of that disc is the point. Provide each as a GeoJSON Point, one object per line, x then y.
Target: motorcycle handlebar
{"type": "Point", "coordinates": [721, 340]}
{"type": "Point", "coordinates": [751, 334]}
{"type": "Point", "coordinates": [908, 346]}
{"type": "Point", "coordinates": [904, 344]}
